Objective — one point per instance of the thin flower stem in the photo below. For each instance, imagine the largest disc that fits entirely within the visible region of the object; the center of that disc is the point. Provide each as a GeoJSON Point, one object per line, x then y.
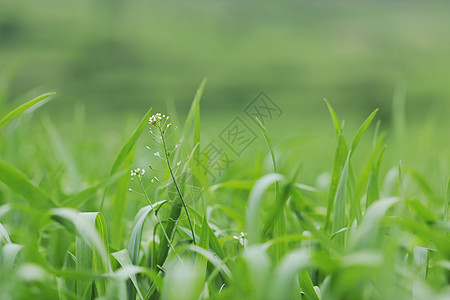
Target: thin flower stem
{"type": "Point", "coordinates": [176, 185]}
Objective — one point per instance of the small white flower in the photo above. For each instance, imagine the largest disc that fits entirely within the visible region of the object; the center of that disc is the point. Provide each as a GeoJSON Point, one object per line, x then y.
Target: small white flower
{"type": "Point", "coordinates": [156, 154]}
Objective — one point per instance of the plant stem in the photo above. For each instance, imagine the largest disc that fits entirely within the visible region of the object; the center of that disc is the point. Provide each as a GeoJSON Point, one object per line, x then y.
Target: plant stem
{"type": "Point", "coordinates": [176, 185]}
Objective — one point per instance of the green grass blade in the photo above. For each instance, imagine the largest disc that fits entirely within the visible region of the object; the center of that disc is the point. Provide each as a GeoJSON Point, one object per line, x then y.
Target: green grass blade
{"type": "Point", "coordinates": [17, 111]}
{"type": "Point", "coordinates": [91, 247]}
{"type": "Point", "coordinates": [334, 117]}
{"type": "Point", "coordinates": [78, 199]}
{"type": "Point", "coordinates": [194, 115]}
{"type": "Point", "coordinates": [367, 235]}
{"type": "Point", "coordinates": [280, 249]}
{"type": "Point", "coordinates": [339, 160]}
{"type": "Point", "coordinates": [4, 234]}
{"type": "Point", "coordinates": [254, 206]}
{"type": "Point", "coordinates": [214, 260]}
{"type": "Point", "coordinates": [100, 257]}
{"type": "Point", "coordinates": [201, 261]}
{"type": "Point", "coordinates": [127, 149]}
{"type": "Point", "coordinates": [63, 153]}
{"type": "Point", "coordinates": [339, 221]}
{"type": "Point", "coordinates": [373, 191]}
{"type": "Point", "coordinates": [10, 252]}
{"type": "Point", "coordinates": [283, 281]}
{"type": "Point", "coordinates": [362, 129]}
{"type": "Point", "coordinates": [20, 184]}
{"type": "Point", "coordinates": [134, 245]}
{"type": "Point", "coordinates": [124, 260]}
{"type": "Point", "coordinates": [446, 202]}
{"type": "Point", "coordinates": [269, 144]}
{"type": "Point", "coordinates": [307, 286]}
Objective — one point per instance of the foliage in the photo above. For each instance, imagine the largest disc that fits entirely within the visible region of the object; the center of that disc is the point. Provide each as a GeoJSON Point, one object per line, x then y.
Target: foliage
{"type": "Point", "coordinates": [72, 230]}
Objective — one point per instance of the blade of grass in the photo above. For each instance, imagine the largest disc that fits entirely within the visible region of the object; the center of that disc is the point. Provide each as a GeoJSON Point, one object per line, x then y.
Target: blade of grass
{"type": "Point", "coordinates": [126, 149]}
{"type": "Point", "coordinates": [362, 129]}
{"type": "Point", "coordinates": [254, 206]}
{"type": "Point", "coordinates": [283, 281]}
{"type": "Point", "coordinates": [339, 205]}
{"type": "Point", "coordinates": [124, 260]}
{"type": "Point", "coordinates": [339, 157]}
{"type": "Point", "coordinates": [280, 249]}
{"type": "Point", "coordinates": [446, 202]}
{"type": "Point", "coordinates": [20, 184]}
{"type": "Point", "coordinates": [307, 286]}
{"type": "Point", "coordinates": [17, 111]}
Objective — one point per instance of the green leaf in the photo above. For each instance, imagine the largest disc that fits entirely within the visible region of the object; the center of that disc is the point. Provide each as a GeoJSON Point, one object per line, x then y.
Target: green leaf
{"type": "Point", "coordinates": [201, 261]}
{"type": "Point", "coordinates": [127, 149]}
{"type": "Point", "coordinates": [339, 158]}
{"type": "Point", "coordinates": [421, 210]}
{"type": "Point", "coordinates": [4, 234]}
{"type": "Point", "coordinates": [134, 245]}
{"type": "Point", "coordinates": [254, 206]}
{"type": "Point", "coordinates": [78, 199]}
{"type": "Point", "coordinates": [334, 117]}
{"type": "Point", "coordinates": [124, 260]}
{"type": "Point", "coordinates": [446, 202]}
{"type": "Point", "coordinates": [194, 115]}
{"type": "Point", "coordinates": [280, 249]}
{"type": "Point", "coordinates": [373, 191]}
{"type": "Point", "coordinates": [91, 247]}
{"type": "Point", "coordinates": [20, 184]}
{"type": "Point", "coordinates": [362, 130]}
{"type": "Point", "coordinates": [10, 252]}
{"type": "Point", "coordinates": [339, 205]}
{"type": "Point", "coordinates": [283, 281]}
{"type": "Point", "coordinates": [14, 113]}
{"type": "Point", "coordinates": [307, 286]}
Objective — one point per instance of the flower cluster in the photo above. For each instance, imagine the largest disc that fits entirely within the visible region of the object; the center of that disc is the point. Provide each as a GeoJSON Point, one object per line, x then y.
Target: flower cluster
{"type": "Point", "coordinates": [157, 118]}
{"type": "Point", "coordinates": [242, 238]}
{"type": "Point", "coordinates": [138, 172]}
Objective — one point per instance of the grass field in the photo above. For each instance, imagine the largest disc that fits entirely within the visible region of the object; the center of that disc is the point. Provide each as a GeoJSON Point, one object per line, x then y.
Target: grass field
{"type": "Point", "coordinates": [127, 183]}
{"type": "Point", "coordinates": [76, 224]}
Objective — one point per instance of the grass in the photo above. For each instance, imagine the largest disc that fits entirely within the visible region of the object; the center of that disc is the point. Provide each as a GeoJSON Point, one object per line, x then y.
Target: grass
{"type": "Point", "coordinates": [71, 228]}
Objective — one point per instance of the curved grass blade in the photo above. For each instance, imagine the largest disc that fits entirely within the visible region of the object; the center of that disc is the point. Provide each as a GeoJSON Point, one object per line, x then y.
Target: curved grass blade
{"type": "Point", "coordinates": [4, 234]}
{"type": "Point", "coordinates": [283, 286]}
{"type": "Point", "coordinates": [91, 247]}
{"type": "Point", "coordinates": [279, 217]}
{"type": "Point", "coordinates": [339, 157]}
{"type": "Point", "coordinates": [362, 129]}
{"type": "Point", "coordinates": [10, 252]}
{"type": "Point", "coordinates": [78, 199]}
{"type": "Point", "coordinates": [307, 286]}
{"type": "Point", "coordinates": [446, 202]}
{"type": "Point", "coordinates": [20, 184]}
{"type": "Point", "coordinates": [17, 111]}
{"type": "Point", "coordinates": [124, 260]}
{"type": "Point", "coordinates": [127, 149]}
{"type": "Point", "coordinates": [134, 244]}
{"type": "Point", "coordinates": [254, 206]}
{"type": "Point", "coordinates": [194, 115]}
{"type": "Point", "coordinates": [340, 203]}
{"type": "Point", "coordinates": [218, 263]}
{"type": "Point", "coordinates": [334, 117]}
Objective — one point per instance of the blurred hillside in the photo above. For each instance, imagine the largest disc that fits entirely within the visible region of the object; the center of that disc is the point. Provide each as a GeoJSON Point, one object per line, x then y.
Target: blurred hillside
{"type": "Point", "coordinates": [121, 56]}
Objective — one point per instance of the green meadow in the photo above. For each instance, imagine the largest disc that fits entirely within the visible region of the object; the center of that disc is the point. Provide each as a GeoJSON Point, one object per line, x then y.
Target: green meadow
{"type": "Point", "coordinates": [171, 150]}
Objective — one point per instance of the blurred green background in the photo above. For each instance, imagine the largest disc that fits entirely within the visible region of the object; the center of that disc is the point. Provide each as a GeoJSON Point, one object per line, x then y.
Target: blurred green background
{"type": "Point", "coordinates": [116, 58]}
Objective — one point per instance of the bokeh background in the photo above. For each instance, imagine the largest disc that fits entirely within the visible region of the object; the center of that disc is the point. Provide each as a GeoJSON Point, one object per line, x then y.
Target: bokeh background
{"type": "Point", "coordinates": [113, 59]}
